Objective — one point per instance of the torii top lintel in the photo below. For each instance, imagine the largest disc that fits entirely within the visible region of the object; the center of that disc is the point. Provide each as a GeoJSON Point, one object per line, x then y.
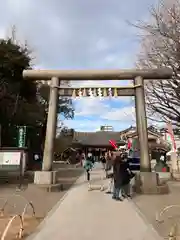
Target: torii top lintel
{"type": "Point", "coordinates": [107, 74]}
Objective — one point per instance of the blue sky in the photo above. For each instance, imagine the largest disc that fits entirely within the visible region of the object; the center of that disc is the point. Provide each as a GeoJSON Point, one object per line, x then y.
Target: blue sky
{"type": "Point", "coordinates": [81, 34]}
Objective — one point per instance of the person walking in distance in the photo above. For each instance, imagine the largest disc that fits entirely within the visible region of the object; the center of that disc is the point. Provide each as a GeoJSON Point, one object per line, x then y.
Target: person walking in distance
{"type": "Point", "coordinates": [110, 173]}
{"type": "Point", "coordinates": [103, 161]}
{"type": "Point", "coordinates": [83, 157]}
{"type": "Point", "coordinates": [90, 158]}
{"type": "Point", "coordinates": [88, 166]}
{"type": "Point", "coordinates": [108, 164]}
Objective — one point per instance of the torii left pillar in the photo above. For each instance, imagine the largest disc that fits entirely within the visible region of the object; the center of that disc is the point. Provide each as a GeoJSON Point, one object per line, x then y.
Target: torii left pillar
{"type": "Point", "coordinates": [47, 175]}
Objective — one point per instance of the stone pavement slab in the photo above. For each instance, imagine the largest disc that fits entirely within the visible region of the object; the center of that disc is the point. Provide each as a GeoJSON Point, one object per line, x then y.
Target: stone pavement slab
{"type": "Point", "coordinates": [88, 215]}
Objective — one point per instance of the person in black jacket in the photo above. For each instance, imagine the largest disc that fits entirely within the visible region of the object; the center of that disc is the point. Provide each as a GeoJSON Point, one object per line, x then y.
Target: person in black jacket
{"type": "Point", "coordinates": [117, 177]}
{"type": "Point", "coordinates": [127, 176]}
{"type": "Point", "coordinates": [122, 176]}
{"type": "Point", "coordinates": [103, 161]}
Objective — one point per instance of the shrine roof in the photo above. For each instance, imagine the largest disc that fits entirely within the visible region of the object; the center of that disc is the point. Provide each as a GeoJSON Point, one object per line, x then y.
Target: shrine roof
{"type": "Point", "coordinates": [100, 138]}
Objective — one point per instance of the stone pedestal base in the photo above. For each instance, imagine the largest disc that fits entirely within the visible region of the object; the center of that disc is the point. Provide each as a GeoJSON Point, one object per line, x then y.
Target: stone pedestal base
{"type": "Point", "coordinates": [148, 183]}
{"type": "Point", "coordinates": [175, 175]}
{"type": "Point", "coordinates": [164, 176]}
{"type": "Point", "coordinates": [45, 177]}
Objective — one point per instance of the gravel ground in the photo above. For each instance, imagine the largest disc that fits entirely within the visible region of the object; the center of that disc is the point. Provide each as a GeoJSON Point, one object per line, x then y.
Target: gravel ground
{"type": "Point", "coordinates": [42, 201]}
{"type": "Point", "coordinates": [150, 205]}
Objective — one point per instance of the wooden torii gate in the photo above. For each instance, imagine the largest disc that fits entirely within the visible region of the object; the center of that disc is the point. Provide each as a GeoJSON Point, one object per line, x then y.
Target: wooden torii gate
{"type": "Point", "coordinates": [137, 90]}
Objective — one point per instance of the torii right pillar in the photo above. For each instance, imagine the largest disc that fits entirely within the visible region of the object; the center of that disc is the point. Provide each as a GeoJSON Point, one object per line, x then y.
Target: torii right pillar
{"type": "Point", "coordinates": [147, 182]}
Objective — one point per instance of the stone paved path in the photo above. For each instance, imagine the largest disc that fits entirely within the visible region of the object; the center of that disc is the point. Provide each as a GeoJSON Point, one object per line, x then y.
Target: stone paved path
{"type": "Point", "coordinates": [88, 215]}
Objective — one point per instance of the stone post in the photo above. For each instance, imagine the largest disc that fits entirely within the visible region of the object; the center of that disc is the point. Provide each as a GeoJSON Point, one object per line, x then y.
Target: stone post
{"type": "Point", "coordinates": [141, 122]}
{"type": "Point", "coordinates": [146, 181]}
{"type": "Point", "coordinates": [51, 126]}
{"type": "Point", "coordinates": [47, 176]}
{"type": "Point", "coordinates": [175, 166]}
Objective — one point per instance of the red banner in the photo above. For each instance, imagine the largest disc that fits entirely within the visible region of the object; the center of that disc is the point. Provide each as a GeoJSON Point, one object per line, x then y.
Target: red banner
{"type": "Point", "coordinates": [129, 144]}
{"type": "Point", "coordinates": [171, 133]}
{"type": "Point", "coordinates": [113, 143]}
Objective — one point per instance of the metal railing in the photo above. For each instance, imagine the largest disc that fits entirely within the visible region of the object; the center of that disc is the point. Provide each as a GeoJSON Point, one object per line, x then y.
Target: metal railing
{"type": "Point", "coordinates": [21, 216]}
{"type": "Point", "coordinates": [173, 232]}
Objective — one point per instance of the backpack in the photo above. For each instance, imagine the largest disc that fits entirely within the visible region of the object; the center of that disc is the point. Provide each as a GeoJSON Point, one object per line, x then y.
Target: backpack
{"type": "Point", "coordinates": [87, 164]}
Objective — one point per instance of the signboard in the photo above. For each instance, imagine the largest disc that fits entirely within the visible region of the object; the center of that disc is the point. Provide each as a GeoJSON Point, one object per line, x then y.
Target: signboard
{"type": "Point", "coordinates": [22, 136]}
{"type": "Point", "coordinates": [170, 137]}
{"type": "Point", "coordinates": [10, 161]}
{"type": "Point", "coordinates": [10, 158]}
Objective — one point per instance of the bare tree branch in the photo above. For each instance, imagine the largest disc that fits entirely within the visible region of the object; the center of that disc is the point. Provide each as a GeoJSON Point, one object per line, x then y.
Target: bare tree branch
{"type": "Point", "coordinates": [160, 47]}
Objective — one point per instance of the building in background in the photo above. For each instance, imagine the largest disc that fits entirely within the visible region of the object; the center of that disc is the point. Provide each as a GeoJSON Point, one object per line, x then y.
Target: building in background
{"type": "Point", "coordinates": [98, 142]}
{"type": "Point", "coordinates": [106, 128]}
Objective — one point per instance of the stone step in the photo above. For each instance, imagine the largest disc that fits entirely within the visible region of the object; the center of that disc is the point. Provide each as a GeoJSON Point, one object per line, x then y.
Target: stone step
{"type": "Point", "coordinates": [159, 189]}
{"type": "Point", "coordinates": [176, 176]}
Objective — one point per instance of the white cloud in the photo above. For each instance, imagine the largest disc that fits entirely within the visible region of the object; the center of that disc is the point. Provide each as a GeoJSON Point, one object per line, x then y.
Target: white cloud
{"type": "Point", "coordinates": [110, 58]}
{"type": "Point", "coordinates": [96, 106]}
{"type": "Point", "coordinates": [2, 32]}
{"type": "Point", "coordinates": [122, 114]}
{"type": "Point", "coordinates": [102, 107]}
{"type": "Point", "coordinates": [102, 44]}
{"type": "Point", "coordinates": [94, 125]}
{"type": "Point", "coordinates": [90, 107]}
{"type": "Point", "coordinates": [68, 34]}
